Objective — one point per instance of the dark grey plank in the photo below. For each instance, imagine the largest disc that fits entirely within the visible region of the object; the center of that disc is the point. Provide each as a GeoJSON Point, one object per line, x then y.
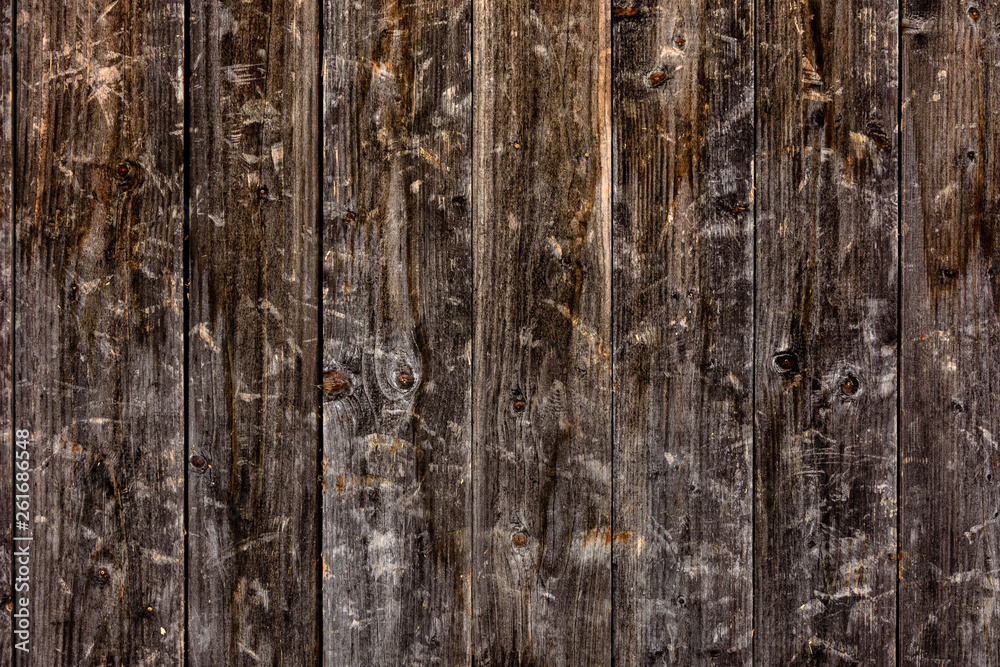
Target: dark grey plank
{"type": "Point", "coordinates": [397, 333]}
{"type": "Point", "coordinates": [6, 368]}
{"type": "Point", "coordinates": [253, 331]}
{"type": "Point", "coordinates": [826, 333]}
{"type": "Point", "coordinates": [683, 286]}
{"type": "Point", "coordinates": [98, 344]}
{"type": "Point", "coordinates": [950, 437]}
{"type": "Point", "coordinates": [542, 333]}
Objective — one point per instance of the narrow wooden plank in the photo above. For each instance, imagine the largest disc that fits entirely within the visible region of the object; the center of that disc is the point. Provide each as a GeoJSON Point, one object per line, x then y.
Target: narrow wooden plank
{"type": "Point", "coordinates": [253, 332]}
{"type": "Point", "coordinates": [683, 285]}
{"type": "Point", "coordinates": [950, 437]}
{"type": "Point", "coordinates": [397, 333]}
{"type": "Point", "coordinates": [7, 601]}
{"type": "Point", "coordinates": [99, 326]}
{"type": "Point", "coordinates": [826, 333]}
{"type": "Point", "coordinates": [542, 333]}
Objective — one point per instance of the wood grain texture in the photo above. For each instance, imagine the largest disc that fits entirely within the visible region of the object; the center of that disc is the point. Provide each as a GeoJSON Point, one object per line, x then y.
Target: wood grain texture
{"type": "Point", "coordinates": [542, 333]}
{"type": "Point", "coordinates": [397, 333]}
{"type": "Point", "coordinates": [683, 289]}
{"type": "Point", "coordinates": [99, 318]}
{"type": "Point", "coordinates": [6, 351]}
{"type": "Point", "coordinates": [950, 437]}
{"type": "Point", "coordinates": [253, 333]}
{"type": "Point", "coordinates": [826, 333]}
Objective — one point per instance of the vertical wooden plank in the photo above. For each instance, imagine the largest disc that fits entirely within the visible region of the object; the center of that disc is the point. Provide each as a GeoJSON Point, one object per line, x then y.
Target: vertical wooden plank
{"type": "Point", "coordinates": [683, 285]}
{"type": "Point", "coordinates": [397, 332]}
{"type": "Point", "coordinates": [950, 437]}
{"type": "Point", "coordinates": [826, 332]}
{"type": "Point", "coordinates": [253, 354]}
{"type": "Point", "coordinates": [542, 333]}
{"type": "Point", "coordinates": [98, 340]}
{"type": "Point", "coordinates": [6, 358]}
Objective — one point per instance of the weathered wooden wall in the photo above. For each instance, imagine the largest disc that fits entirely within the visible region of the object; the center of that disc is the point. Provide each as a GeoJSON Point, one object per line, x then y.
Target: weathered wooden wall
{"type": "Point", "coordinates": [523, 332]}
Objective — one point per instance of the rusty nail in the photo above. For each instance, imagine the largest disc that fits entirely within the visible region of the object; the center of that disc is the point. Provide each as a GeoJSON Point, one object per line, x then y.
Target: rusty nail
{"type": "Point", "coordinates": [849, 385]}
{"type": "Point", "coordinates": [405, 379]}
{"type": "Point", "coordinates": [656, 78]}
{"type": "Point", "coordinates": [519, 539]}
{"type": "Point", "coordinates": [198, 461]}
{"type": "Point", "coordinates": [679, 42]}
{"type": "Point", "coordinates": [974, 13]}
{"type": "Point", "coordinates": [518, 405]}
{"type": "Point", "coordinates": [123, 169]}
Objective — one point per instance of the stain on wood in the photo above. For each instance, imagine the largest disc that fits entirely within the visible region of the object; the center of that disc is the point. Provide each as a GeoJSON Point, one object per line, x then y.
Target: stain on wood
{"type": "Point", "coordinates": [397, 308]}
{"type": "Point", "coordinates": [826, 298]}
{"type": "Point", "coordinates": [683, 294]}
{"type": "Point", "coordinates": [950, 411]}
{"type": "Point", "coordinates": [542, 333]}
{"type": "Point", "coordinates": [98, 344]}
{"type": "Point", "coordinates": [253, 333]}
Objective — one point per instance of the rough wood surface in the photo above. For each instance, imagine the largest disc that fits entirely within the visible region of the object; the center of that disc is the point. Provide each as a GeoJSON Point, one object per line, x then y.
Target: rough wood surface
{"type": "Point", "coordinates": [6, 359]}
{"type": "Point", "coordinates": [506, 209]}
{"type": "Point", "coordinates": [683, 294]}
{"type": "Point", "coordinates": [253, 333]}
{"type": "Point", "coordinates": [397, 299]}
{"type": "Point", "coordinates": [826, 285]}
{"type": "Point", "coordinates": [950, 437]}
{"type": "Point", "coordinates": [542, 333]}
{"type": "Point", "coordinates": [99, 318]}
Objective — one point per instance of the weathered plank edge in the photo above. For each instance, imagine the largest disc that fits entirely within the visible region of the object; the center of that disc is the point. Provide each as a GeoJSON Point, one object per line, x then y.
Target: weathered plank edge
{"type": "Point", "coordinates": [186, 308]}
{"type": "Point", "coordinates": [8, 65]}
{"type": "Point", "coordinates": [320, 480]}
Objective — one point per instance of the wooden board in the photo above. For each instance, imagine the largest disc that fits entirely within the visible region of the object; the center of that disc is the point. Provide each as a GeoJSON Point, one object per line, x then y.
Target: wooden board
{"type": "Point", "coordinates": [542, 333]}
{"type": "Point", "coordinates": [397, 306]}
{"type": "Point", "coordinates": [6, 302]}
{"type": "Point", "coordinates": [683, 293]}
{"type": "Point", "coordinates": [950, 437]}
{"type": "Point", "coordinates": [826, 309]}
{"type": "Point", "coordinates": [99, 327]}
{"type": "Point", "coordinates": [253, 334]}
